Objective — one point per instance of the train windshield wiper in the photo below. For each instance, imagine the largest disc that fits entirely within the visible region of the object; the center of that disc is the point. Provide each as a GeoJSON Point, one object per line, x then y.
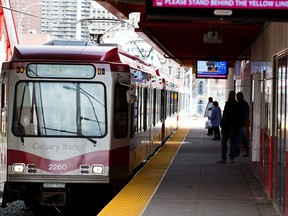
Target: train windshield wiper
{"type": "Point", "coordinates": [89, 96]}
{"type": "Point", "coordinates": [20, 127]}
{"type": "Point", "coordinates": [97, 121]}
{"type": "Point", "coordinates": [71, 132]}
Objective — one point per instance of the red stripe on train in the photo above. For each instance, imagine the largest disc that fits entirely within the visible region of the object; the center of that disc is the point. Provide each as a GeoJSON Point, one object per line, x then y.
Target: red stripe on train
{"type": "Point", "coordinates": [118, 156]}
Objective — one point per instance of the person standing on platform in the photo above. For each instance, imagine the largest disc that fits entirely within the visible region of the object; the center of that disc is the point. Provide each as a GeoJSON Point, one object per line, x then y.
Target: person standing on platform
{"type": "Point", "coordinates": [215, 120]}
{"type": "Point", "coordinates": [208, 112]}
{"type": "Point", "coordinates": [241, 136]}
{"type": "Point", "coordinates": [229, 124]}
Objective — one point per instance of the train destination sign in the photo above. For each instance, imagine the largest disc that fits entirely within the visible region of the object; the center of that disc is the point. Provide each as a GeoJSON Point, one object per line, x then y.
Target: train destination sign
{"type": "Point", "coordinates": [240, 10]}
{"type": "Point", "coordinates": [231, 4]}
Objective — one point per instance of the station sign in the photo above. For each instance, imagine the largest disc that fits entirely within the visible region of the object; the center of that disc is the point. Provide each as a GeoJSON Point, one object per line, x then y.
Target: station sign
{"type": "Point", "coordinates": [255, 10]}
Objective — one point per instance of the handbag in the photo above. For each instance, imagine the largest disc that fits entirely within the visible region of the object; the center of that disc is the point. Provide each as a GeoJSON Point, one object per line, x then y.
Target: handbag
{"type": "Point", "coordinates": [208, 124]}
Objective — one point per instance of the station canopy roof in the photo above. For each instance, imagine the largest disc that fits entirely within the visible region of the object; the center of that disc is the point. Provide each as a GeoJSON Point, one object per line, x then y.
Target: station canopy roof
{"type": "Point", "coordinates": [187, 34]}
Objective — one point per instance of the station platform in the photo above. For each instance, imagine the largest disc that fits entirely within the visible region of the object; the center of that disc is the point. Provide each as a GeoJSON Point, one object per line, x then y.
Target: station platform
{"type": "Point", "coordinates": [183, 179]}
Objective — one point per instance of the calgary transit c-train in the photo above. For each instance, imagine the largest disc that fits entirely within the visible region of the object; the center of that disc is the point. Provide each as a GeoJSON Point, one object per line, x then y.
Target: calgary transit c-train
{"type": "Point", "coordinates": [73, 117]}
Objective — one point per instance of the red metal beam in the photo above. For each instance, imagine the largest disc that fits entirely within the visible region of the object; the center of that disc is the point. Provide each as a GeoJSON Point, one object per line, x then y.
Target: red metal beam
{"type": "Point", "coordinates": [10, 27]}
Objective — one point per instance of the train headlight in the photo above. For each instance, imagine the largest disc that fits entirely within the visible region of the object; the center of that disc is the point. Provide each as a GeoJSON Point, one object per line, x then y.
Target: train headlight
{"type": "Point", "coordinates": [18, 168]}
{"type": "Point", "coordinates": [97, 169]}
{"type": "Point", "coordinates": [20, 70]}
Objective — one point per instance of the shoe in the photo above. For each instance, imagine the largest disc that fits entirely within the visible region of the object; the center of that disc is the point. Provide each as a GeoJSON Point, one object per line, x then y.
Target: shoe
{"type": "Point", "coordinates": [231, 161]}
{"type": "Point", "coordinates": [209, 134]}
{"type": "Point", "coordinates": [222, 161]}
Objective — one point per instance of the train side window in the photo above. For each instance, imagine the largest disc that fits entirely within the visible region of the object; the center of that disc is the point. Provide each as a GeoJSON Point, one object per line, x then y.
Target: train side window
{"type": "Point", "coordinates": [168, 104]}
{"type": "Point", "coordinates": [154, 107]}
{"type": "Point", "coordinates": [140, 110]}
{"type": "Point", "coordinates": [3, 110]}
{"type": "Point", "coordinates": [134, 114]}
{"type": "Point", "coordinates": [175, 102]}
{"type": "Point", "coordinates": [120, 111]}
{"type": "Point", "coordinates": [162, 105]}
{"type": "Point", "coordinates": [171, 102]}
{"type": "Point", "coordinates": [145, 107]}
{"type": "Point", "coordinates": [3, 95]}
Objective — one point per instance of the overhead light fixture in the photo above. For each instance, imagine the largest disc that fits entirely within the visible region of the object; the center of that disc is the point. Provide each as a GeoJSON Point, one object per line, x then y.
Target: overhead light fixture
{"type": "Point", "coordinates": [212, 37]}
{"type": "Point", "coordinates": [219, 12]}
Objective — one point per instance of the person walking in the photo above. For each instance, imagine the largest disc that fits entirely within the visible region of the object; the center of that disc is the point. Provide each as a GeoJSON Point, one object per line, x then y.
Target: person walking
{"type": "Point", "coordinates": [229, 124]}
{"type": "Point", "coordinates": [241, 137]}
{"type": "Point", "coordinates": [215, 120]}
{"type": "Point", "coordinates": [208, 112]}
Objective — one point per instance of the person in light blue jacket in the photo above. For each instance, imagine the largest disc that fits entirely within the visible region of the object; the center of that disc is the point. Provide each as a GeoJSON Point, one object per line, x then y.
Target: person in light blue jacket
{"type": "Point", "coordinates": [215, 120]}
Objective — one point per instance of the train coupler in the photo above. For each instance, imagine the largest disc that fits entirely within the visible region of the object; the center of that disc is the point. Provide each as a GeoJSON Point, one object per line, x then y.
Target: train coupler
{"type": "Point", "coordinates": [53, 198]}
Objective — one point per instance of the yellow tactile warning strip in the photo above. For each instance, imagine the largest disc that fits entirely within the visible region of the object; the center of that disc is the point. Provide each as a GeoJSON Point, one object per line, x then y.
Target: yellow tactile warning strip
{"type": "Point", "coordinates": [135, 196]}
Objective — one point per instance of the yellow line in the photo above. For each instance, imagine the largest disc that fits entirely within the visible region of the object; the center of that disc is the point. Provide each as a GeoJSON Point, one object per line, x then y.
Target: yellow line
{"type": "Point", "coordinates": [135, 196]}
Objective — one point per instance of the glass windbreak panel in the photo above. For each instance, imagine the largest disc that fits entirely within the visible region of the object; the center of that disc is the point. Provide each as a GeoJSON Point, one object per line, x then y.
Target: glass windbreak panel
{"type": "Point", "coordinates": [59, 109]}
{"type": "Point", "coordinates": [60, 71]}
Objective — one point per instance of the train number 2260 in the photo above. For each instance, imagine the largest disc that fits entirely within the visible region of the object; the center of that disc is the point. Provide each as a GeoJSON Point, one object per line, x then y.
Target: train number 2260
{"type": "Point", "coordinates": [57, 166]}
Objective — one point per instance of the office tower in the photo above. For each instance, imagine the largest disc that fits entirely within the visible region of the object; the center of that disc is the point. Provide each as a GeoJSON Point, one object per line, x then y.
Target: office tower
{"type": "Point", "coordinates": [61, 18]}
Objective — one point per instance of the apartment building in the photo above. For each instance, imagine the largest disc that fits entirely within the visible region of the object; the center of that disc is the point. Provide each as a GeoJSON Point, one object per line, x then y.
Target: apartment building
{"type": "Point", "coordinates": [60, 19]}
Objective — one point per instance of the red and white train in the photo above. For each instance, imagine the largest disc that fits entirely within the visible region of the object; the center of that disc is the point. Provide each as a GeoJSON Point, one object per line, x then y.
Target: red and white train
{"type": "Point", "coordinates": [73, 116]}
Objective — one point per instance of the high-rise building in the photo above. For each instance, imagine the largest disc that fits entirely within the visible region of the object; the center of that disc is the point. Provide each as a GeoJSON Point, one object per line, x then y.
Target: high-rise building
{"type": "Point", "coordinates": [61, 18]}
{"type": "Point", "coordinates": [66, 19]}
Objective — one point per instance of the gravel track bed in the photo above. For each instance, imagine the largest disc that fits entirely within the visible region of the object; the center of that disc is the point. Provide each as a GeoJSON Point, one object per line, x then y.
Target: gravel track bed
{"type": "Point", "coordinates": [15, 209]}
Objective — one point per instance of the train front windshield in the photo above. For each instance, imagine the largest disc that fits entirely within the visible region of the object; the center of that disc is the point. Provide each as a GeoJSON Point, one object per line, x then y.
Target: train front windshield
{"type": "Point", "coordinates": [74, 109]}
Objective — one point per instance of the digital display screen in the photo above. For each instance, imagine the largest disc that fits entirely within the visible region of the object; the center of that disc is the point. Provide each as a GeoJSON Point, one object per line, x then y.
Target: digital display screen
{"type": "Point", "coordinates": [240, 10]}
{"type": "Point", "coordinates": [61, 70]}
{"type": "Point", "coordinates": [212, 69]}
{"type": "Point", "coordinates": [223, 4]}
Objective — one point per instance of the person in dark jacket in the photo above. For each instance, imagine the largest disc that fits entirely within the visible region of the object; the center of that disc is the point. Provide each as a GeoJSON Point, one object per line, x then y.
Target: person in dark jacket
{"type": "Point", "coordinates": [215, 120]}
{"type": "Point", "coordinates": [241, 132]}
{"type": "Point", "coordinates": [229, 124]}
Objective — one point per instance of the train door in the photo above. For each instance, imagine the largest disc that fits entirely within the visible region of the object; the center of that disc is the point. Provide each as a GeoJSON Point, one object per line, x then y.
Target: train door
{"type": "Point", "coordinates": [156, 118]}
{"type": "Point", "coordinates": [281, 89]}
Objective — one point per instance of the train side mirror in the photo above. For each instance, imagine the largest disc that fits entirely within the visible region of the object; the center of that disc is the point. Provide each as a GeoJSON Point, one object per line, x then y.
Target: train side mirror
{"type": "Point", "coordinates": [130, 96]}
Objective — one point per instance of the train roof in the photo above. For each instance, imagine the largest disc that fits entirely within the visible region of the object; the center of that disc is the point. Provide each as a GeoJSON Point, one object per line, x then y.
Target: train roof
{"type": "Point", "coordinates": [69, 43]}
{"type": "Point", "coordinates": [79, 51]}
